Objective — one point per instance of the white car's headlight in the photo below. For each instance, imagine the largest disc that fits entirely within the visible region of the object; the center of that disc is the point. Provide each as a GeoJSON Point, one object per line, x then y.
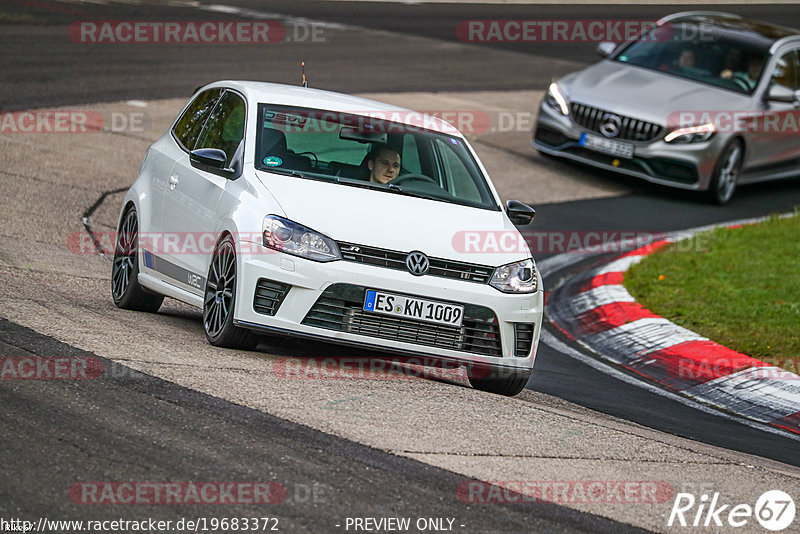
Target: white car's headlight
{"type": "Point", "coordinates": [556, 100]}
{"type": "Point", "coordinates": [517, 277]}
{"type": "Point", "coordinates": [692, 134]}
{"type": "Point", "coordinates": [293, 238]}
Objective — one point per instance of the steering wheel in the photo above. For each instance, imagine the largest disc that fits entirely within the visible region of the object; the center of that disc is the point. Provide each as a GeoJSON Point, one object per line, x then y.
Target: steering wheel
{"type": "Point", "coordinates": [742, 82]}
{"type": "Point", "coordinates": [412, 176]}
{"type": "Point", "coordinates": [316, 159]}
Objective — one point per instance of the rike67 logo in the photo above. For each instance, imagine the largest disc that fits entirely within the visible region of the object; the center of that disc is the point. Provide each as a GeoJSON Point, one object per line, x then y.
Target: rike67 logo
{"type": "Point", "coordinates": [774, 510]}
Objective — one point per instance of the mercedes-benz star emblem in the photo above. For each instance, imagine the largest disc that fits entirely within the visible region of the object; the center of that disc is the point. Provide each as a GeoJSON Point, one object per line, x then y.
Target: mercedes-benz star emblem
{"type": "Point", "coordinates": [417, 263]}
{"type": "Point", "coordinates": [610, 125]}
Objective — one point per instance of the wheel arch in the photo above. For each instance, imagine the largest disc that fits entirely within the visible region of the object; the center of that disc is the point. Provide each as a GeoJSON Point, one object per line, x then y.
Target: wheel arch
{"type": "Point", "coordinates": [126, 207]}
{"type": "Point", "coordinates": [742, 141]}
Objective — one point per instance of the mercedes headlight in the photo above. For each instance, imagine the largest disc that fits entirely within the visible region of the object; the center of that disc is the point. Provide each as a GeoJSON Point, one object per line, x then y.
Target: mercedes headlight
{"type": "Point", "coordinates": [692, 134]}
{"type": "Point", "coordinates": [292, 238]}
{"type": "Point", "coordinates": [518, 277]}
{"type": "Point", "coordinates": [556, 100]}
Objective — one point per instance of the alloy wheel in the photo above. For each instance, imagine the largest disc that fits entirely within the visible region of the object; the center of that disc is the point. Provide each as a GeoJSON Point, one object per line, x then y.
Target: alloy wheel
{"type": "Point", "coordinates": [729, 174]}
{"type": "Point", "coordinates": [124, 256]}
{"type": "Point", "coordinates": [220, 288]}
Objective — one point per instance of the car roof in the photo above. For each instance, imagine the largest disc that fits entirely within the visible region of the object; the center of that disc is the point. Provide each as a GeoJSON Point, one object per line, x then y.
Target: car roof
{"type": "Point", "coordinates": [298, 96]}
{"type": "Point", "coordinates": [754, 31]}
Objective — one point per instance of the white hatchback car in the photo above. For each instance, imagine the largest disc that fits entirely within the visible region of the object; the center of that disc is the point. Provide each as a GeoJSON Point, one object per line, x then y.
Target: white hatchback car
{"type": "Point", "coordinates": [292, 211]}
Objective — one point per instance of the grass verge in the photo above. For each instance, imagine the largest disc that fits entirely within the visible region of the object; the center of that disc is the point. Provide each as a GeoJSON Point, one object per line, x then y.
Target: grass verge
{"type": "Point", "coordinates": [739, 287]}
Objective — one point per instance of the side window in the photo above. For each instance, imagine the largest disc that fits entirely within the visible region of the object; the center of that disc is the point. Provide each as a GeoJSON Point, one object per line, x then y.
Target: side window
{"type": "Point", "coordinates": [458, 180]}
{"type": "Point", "coordinates": [191, 122]}
{"type": "Point", "coordinates": [224, 128]}
{"type": "Point", "coordinates": [411, 155]}
{"type": "Point", "coordinates": [787, 71]}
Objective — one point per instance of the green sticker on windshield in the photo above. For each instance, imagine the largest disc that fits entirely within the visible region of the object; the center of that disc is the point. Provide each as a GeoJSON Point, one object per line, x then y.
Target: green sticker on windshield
{"type": "Point", "coordinates": [273, 161]}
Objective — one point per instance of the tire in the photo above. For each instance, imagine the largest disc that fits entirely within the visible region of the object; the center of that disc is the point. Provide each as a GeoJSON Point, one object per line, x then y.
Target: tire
{"type": "Point", "coordinates": [125, 288]}
{"type": "Point", "coordinates": [219, 300]}
{"type": "Point", "coordinates": [500, 381]}
{"type": "Point", "coordinates": [726, 173]}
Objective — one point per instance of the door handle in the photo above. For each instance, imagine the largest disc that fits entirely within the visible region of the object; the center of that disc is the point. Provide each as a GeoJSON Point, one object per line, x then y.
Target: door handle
{"type": "Point", "coordinates": [173, 181]}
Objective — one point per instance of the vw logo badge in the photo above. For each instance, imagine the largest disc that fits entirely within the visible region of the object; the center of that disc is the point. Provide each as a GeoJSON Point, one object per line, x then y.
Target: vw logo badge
{"type": "Point", "coordinates": [610, 125]}
{"type": "Point", "coordinates": [417, 263]}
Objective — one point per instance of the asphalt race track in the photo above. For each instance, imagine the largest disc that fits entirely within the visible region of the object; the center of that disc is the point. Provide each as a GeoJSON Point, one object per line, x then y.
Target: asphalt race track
{"type": "Point", "coordinates": [169, 408]}
{"type": "Point", "coordinates": [223, 439]}
{"type": "Point", "coordinates": [98, 74]}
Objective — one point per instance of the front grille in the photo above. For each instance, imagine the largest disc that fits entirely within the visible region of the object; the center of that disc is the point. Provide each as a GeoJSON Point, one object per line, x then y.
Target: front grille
{"type": "Point", "coordinates": [523, 339]}
{"type": "Point", "coordinates": [630, 129]}
{"type": "Point", "coordinates": [392, 259]}
{"type": "Point", "coordinates": [269, 296]}
{"type": "Point", "coordinates": [340, 308]}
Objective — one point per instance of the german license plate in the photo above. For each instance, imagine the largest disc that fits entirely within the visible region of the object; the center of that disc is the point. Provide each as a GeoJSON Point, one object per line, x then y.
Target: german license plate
{"type": "Point", "coordinates": [608, 146]}
{"type": "Point", "coordinates": [413, 308]}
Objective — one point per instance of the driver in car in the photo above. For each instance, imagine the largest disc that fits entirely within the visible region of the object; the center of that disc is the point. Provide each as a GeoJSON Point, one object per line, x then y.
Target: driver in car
{"type": "Point", "coordinates": [383, 163]}
{"type": "Point", "coordinates": [749, 78]}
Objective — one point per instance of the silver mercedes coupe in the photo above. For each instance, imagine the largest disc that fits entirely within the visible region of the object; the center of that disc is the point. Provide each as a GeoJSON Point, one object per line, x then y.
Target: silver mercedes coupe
{"type": "Point", "coordinates": [703, 101]}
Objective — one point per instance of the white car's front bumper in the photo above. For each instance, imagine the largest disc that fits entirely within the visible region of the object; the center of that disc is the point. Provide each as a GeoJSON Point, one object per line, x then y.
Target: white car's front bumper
{"type": "Point", "coordinates": [309, 280]}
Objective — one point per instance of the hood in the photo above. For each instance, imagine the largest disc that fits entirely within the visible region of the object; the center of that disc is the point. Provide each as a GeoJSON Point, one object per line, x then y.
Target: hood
{"type": "Point", "coordinates": [646, 94]}
{"type": "Point", "coordinates": [396, 222]}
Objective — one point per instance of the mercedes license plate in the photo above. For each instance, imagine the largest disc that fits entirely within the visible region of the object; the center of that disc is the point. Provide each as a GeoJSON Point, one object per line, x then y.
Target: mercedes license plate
{"type": "Point", "coordinates": [607, 146]}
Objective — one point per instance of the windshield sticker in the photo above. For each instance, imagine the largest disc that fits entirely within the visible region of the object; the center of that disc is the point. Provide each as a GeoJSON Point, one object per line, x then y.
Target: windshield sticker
{"type": "Point", "coordinates": [277, 117]}
{"type": "Point", "coordinates": [273, 161]}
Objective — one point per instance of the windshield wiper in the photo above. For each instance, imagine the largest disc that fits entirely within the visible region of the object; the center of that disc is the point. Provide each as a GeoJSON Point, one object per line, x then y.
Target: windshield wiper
{"type": "Point", "coordinates": [357, 183]}
{"type": "Point", "coordinates": [390, 188]}
{"type": "Point", "coordinates": [400, 191]}
{"type": "Point", "coordinates": [286, 172]}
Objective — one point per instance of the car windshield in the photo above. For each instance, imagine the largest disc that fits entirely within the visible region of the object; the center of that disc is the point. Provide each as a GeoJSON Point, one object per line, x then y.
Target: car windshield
{"type": "Point", "coordinates": [720, 56]}
{"type": "Point", "coordinates": [427, 161]}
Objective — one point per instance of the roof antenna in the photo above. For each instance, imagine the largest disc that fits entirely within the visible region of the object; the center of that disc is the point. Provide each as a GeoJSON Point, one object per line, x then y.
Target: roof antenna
{"type": "Point", "coordinates": [303, 69]}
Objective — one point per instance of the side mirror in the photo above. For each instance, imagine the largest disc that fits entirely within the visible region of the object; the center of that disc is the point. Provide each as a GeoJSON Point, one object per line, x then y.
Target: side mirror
{"type": "Point", "coordinates": [779, 93]}
{"type": "Point", "coordinates": [605, 48]}
{"type": "Point", "coordinates": [520, 213]}
{"type": "Point", "coordinates": [212, 158]}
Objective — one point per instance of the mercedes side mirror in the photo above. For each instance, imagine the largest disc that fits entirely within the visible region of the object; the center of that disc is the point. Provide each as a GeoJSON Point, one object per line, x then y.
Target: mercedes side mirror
{"type": "Point", "coordinates": [605, 48]}
{"type": "Point", "coordinates": [779, 93]}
